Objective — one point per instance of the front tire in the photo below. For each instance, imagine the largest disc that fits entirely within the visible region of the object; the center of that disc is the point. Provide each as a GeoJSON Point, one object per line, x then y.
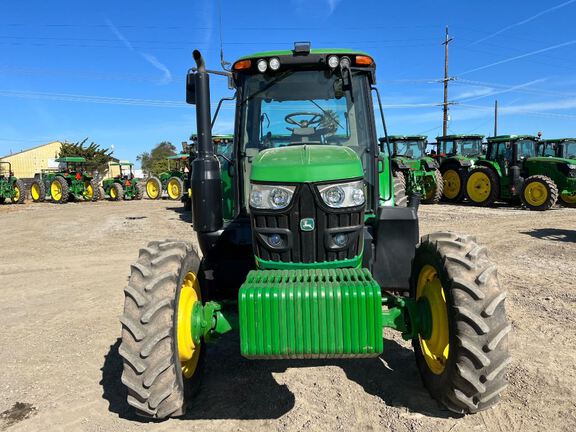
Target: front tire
{"type": "Point", "coordinates": [539, 193]}
{"type": "Point", "coordinates": [162, 370]}
{"type": "Point", "coordinates": [59, 190]}
{"type": "Point", "coordinates": [139, 191]}
{"type": "Point", "coordinates": [38, 191]}
{"type": "Point", "coordinates": [434, 188]}
{"type": "Point", "coordinates": [19, 192]}
{"type": "Point", "coordinates": [482, 186]}
{"type": "Point", "coordinates": [399, 182]}
{"type": "Point", "coordinates": [464, 361]}
{"type": "Point", "coordinates": [116, 192]}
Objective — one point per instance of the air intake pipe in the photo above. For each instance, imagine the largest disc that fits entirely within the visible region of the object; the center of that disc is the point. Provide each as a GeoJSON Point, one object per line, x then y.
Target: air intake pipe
{"type": "Point", "coordinates": [205, 182]}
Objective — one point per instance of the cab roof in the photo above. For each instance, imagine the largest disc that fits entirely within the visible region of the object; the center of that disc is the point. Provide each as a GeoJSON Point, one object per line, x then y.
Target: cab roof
{"type": "Point", "coordinates": [505, 138]}
{"type": "Point", "coordinates": [459, 136]}
{"type": "Point", "coordinates": [122, 164]}
{"type": "Point", "coordinates": [71, 159]}
{"type": "Point", "coordinates": [407, 137]}
{"type": "Point", "coordinates": [291, 53]}
{"type": "Point", "coordinates": [558, 140]}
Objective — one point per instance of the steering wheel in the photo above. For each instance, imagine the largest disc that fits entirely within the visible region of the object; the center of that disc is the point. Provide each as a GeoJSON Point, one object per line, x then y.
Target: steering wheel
{"type": "Point", "coordinates": [315, 118]}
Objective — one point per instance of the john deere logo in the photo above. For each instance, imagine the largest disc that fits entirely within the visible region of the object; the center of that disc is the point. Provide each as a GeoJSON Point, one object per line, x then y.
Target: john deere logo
{"type": "Point", "coordinates": [307, 224]}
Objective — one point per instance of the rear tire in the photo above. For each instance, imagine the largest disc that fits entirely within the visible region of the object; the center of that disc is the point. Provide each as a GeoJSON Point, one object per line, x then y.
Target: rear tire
{"type": "Point", "coordinates": [154, 188]}
{"type": "Point", "coordinates": [482, 186]}
{"type": "Point", "coordinates": [175, 188]}
{"type": "Point", "coordinates": [101, 193]}
{"type": "Point", "coordinates": [539, 193]}
{"type": "Point", "coordinates": [139, 191]}
{"type": "Point", "coordinates": [400, 198]}
{"type": "Point", "coordinates": [20, 189]}
{"type": "Point", "coordinates": [436, 188]}
{"type": "Point", "coordinates": [59, 190]}
{"type": "Point", "coordinates": [468, 374]}
{"type": "Point", "coordinates": [38, 191]}
{"type": "Point", "coordinates": [153, 372]}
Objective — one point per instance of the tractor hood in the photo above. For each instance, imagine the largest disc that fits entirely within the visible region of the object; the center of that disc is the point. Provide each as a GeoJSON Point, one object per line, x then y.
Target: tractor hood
{"type": "Point", "coordinates": [405, 162]}
{"type": "Point", "coordinates": [552, 159]}
{"type": "Point", "coordinates": [306, 164]}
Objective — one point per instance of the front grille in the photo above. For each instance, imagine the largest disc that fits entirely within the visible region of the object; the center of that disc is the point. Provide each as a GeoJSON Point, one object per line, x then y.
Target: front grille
{"type": "Point", "coordinates": [299, 246]}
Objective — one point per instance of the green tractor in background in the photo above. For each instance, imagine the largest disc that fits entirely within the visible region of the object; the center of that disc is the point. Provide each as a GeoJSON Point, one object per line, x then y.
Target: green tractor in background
{"type": "Point", "coordinates": [171, 181]}
{"type": "Point", "coordinates": [456, 155]}
{"type": "Point", "coordinates": [512, 169]}
{"type": "Point", "coordinates": [12, 188]}
{"type": "Point", "coordinates": [70, 181]}
{"type": "Point", "coordinates": [223, 143]}
{"type": "Point", "coordinates": [420, 172]}
{"type": "Point", "coordinates": [303, 232]}
{"type": "Point", "coordinates": [123, 186]}
{"type": "Point", "coordinates": [560, 147]}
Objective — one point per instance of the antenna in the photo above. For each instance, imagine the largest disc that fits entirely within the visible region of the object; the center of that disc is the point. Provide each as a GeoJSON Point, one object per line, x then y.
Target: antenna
{"type": "Point", "coordinates": [225, 65]}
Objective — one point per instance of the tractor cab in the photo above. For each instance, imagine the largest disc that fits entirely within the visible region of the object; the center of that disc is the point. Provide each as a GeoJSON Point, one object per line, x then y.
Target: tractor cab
{"type": "Point", "coordinates": [413, 147]}
{"type": "Point", "coordinates": [124, 185]}
{"type": "Point", "coordinates": [11, 188]}
{"type": "Point", "coordinates": [74, 166]}
{"type": "Point", "coordinates": [126, 170]}
{"type": "Point", "coordinates": [561, 147]}
{"type": "Point", "coordinates": [6, 170]}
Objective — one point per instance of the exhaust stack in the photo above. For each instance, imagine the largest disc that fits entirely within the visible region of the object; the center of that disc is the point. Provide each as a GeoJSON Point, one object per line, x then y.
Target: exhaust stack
{"type": "Point", "coordinates": [205, 179]}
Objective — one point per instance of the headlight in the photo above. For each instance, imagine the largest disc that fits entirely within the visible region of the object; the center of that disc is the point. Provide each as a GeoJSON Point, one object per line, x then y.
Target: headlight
{"type": "Point", "coordinates": [271, 197]}
{"type": "Point", "coordinates": [571, 167]}
{"type": "Point", "coordinates": [274, 63]}
{"type": "Point", "coordinates": [343, 194]}
{"type": "Point", "coordinates": [262, 65]}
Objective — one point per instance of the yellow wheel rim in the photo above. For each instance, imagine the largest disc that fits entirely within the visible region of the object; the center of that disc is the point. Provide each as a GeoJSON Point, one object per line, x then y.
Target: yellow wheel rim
{"type": "Point", "coordinates": [113, 193]}
{"type": "Point", "coordinates": [452, 184]}
{"type": "Point", "coordinates": [568, 199]}
{"type": "Point", "coordinates": [437, 348]}
{"type": "Point", "coordinates": [173, 189]}
{"type": "Point", "coordinates": [89, 194]}
{"type": "Point", "coordinates": [16, 194]}
{"type": "Point", "coordinates": [152, 189]}
{"type": "Point", "coordinates": [535, 193]}
{"type": "Point", "coordinates": [478, 187]}
{"type": "Point", "coordinates": [35, 192]}
{"type": "Point", "coordinates": [56, 190]}
{"type": "Point", "coordinates": [188, 351]}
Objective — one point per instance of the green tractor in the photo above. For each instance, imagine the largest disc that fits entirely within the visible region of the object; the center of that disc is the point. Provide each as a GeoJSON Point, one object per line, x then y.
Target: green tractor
{"type": "Point", "coordinates": [12, 188]}
{"type": "Point", "coordinates": [70, 181]}
{"type": "Point", "coordinates": [123, 186]}
{"type": "Point", "coordinates": [310, 245]}
{"type": "Point", "coordinates": [420, 172]}
{"type": "Point", "coordinates": [564, 148]}
{"type": "Point", "coordinates": [171, 181]}
{"type": "Point", "coordinates": [223, 144]}
{"type": "Point", "coordinates": [512, 169]}
{"type": "Point", "coordinates": [456, 155]}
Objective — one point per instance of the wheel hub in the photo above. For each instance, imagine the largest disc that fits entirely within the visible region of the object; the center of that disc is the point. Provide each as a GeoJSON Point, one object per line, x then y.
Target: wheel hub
{"type": "Point", "coordinates": [188, 349]}
{"type": "Point", "coordinates": [479, 187]}
{"type": "Point", "coordinates": [451, 184]}
{"type": "Point", "coordinates": [536, 194]}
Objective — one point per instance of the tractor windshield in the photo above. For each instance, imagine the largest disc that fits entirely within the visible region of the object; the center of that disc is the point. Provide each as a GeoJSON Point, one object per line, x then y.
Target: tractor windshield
{"type": "Point", "coordinates": [526, 148]}
{"type": "Point", "coordinates": [469, 147]}
{"type": "Point", "coordinates": [411, 149]}
{"type": "Point", "coordinates": [570, 149]}
{"type": "Point", "coordinates": [305, 107]}
{"type": "Point", "coordinates": [549, 149]}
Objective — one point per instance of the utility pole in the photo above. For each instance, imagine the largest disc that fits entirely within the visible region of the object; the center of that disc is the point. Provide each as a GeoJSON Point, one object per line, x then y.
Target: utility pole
{"type": "Point", "coordinates": [446, 79]}
{"type": "Point", "coordinates": [496, 117]}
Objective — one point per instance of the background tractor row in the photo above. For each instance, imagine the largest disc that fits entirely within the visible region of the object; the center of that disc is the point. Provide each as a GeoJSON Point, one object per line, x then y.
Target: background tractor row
{"type": "Point", "coordinates": [512, 169]}
{"type": "Point", "coordinates": [70, 181]}
{"type": "Point", "coordinates": [12, 189]}
{"type": "Point", "coordinates": [419, 171]}
{"type": "Point", "coordinates": [299, 226]}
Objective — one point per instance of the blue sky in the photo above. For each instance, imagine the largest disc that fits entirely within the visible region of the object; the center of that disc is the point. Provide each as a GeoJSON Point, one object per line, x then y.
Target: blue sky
{"type": "Point", "coordinates": [114, 71]}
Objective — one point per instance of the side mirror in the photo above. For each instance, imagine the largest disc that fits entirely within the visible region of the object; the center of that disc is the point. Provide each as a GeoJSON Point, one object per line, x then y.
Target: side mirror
{"type": "Point", "coordinates": [191, 88]}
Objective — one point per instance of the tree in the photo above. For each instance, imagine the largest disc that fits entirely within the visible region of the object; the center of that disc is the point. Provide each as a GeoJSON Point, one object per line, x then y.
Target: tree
{"type": "Point", "coordinates": [155, 161]}
{"type": "Point", "coordinates": [96, 158]}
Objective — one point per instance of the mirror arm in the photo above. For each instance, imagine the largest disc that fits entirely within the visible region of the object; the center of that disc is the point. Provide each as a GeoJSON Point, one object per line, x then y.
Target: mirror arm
{"type": "Point", "coordinates": [220, 106]}
{"type": "Point", "coordinates": [214, 72]}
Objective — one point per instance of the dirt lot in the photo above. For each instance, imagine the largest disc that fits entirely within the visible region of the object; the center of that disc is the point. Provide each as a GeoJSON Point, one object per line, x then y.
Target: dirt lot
{"type": "Point", "coordinates": [63, 268]}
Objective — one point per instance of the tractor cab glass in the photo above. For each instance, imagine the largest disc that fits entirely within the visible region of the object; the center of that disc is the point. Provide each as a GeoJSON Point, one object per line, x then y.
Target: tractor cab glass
{"type": "Point", "coordinates": [549, 149]}
{"type": "Point", "coordinates": [410, 148]}
{"type": "Point", "coordinates": [570, 149]}
{"type": "Point", "coordinates": [469, 147]}
{"type": "Point", "coordinates": [526, 148]}
{"type": "Point", "coordinates": [306, 107]}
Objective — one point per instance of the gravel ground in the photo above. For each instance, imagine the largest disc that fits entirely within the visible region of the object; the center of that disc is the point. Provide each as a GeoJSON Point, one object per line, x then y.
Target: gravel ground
{"type": "Point", "coordinates": [63, 268]}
